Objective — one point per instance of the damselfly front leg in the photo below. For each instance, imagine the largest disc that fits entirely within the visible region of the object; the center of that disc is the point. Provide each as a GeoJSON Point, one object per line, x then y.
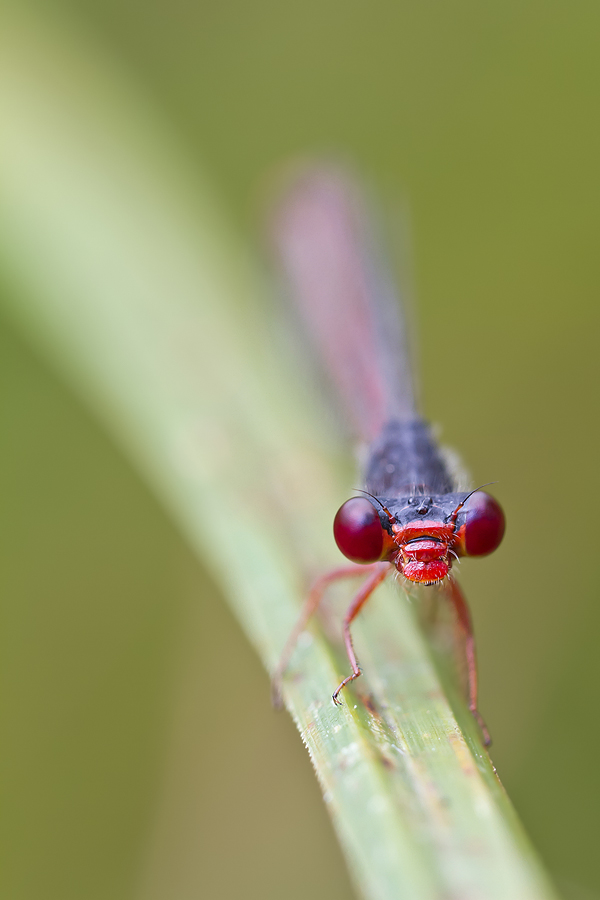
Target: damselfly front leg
{"type": "Point", "coordinates": [463, 615]}
{"type": "Point", "coordinates": [310, 607]}
{"type": "Point", "coordinates": [380, 573]}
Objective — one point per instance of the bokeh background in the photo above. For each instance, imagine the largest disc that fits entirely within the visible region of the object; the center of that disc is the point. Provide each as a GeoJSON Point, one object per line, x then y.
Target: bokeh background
{"type": "Point", "coordinates": [484, 119]}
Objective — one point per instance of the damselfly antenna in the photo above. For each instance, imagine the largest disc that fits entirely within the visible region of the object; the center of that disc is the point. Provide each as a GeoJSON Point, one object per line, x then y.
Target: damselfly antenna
{"type": "Point", "coordinates": [378, 501]}
{"type": "Point", "coordinates": [452, 518]}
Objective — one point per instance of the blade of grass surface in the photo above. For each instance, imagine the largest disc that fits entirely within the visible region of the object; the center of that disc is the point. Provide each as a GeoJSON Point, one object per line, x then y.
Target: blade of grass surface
{"type": "Point", "coordinates": [127, 276]}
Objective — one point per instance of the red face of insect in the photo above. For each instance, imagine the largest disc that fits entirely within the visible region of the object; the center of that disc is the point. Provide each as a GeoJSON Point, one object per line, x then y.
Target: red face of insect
{"type": "Point", "coordinates": [424, 561]}
{"type": "Point", "coordinates": [421, 548]}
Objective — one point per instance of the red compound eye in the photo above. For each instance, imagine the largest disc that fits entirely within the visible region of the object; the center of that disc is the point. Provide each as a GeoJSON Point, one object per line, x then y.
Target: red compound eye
{"type": "Point", "coordinates": [357, 531]}
{"type": "Point", "coordinates": [485, 524]}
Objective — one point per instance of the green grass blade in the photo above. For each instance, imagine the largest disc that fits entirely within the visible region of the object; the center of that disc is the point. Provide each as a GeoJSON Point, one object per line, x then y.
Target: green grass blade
{"type": "Point", "coordinates": [127, 276]}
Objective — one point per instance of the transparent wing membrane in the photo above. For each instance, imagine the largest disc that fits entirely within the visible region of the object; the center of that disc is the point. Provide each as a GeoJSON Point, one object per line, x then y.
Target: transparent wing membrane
{"type": "Point", "coordinates": [344, 296]}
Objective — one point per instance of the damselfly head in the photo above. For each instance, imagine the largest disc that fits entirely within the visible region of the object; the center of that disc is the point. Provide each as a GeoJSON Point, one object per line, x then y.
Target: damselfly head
{"type": "Point", "coordinates": [419, 535]}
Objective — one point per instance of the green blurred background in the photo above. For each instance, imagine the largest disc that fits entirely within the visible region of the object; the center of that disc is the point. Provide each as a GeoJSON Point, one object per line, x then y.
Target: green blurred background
{"type": "Point", "coordinates": [484, 117]}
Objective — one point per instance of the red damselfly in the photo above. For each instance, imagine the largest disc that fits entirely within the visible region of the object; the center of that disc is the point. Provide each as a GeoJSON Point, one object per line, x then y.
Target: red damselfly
{"type": "Point", "coordinates": [412, 515]}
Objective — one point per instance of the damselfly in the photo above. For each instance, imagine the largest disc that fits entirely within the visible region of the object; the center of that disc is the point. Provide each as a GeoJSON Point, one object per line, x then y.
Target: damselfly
{"type": "Point", "coordinates": [411, 517]}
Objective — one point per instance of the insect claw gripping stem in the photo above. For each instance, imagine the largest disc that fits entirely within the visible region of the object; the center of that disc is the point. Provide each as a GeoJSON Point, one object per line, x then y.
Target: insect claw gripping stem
{"type": "Point", "coordinates": [343, 684]}
{"type": "Point", "coordinates": [487, 738]}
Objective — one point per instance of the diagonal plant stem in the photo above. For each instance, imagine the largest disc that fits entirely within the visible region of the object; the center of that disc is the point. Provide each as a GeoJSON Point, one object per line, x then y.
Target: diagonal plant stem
{"type": "Point", "coordinates": [125, 274]}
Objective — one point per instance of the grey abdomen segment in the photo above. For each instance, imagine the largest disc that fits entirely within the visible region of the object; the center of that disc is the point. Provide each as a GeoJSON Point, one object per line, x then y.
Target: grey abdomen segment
{"type": "Point", "coordinates": [405, 459]}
